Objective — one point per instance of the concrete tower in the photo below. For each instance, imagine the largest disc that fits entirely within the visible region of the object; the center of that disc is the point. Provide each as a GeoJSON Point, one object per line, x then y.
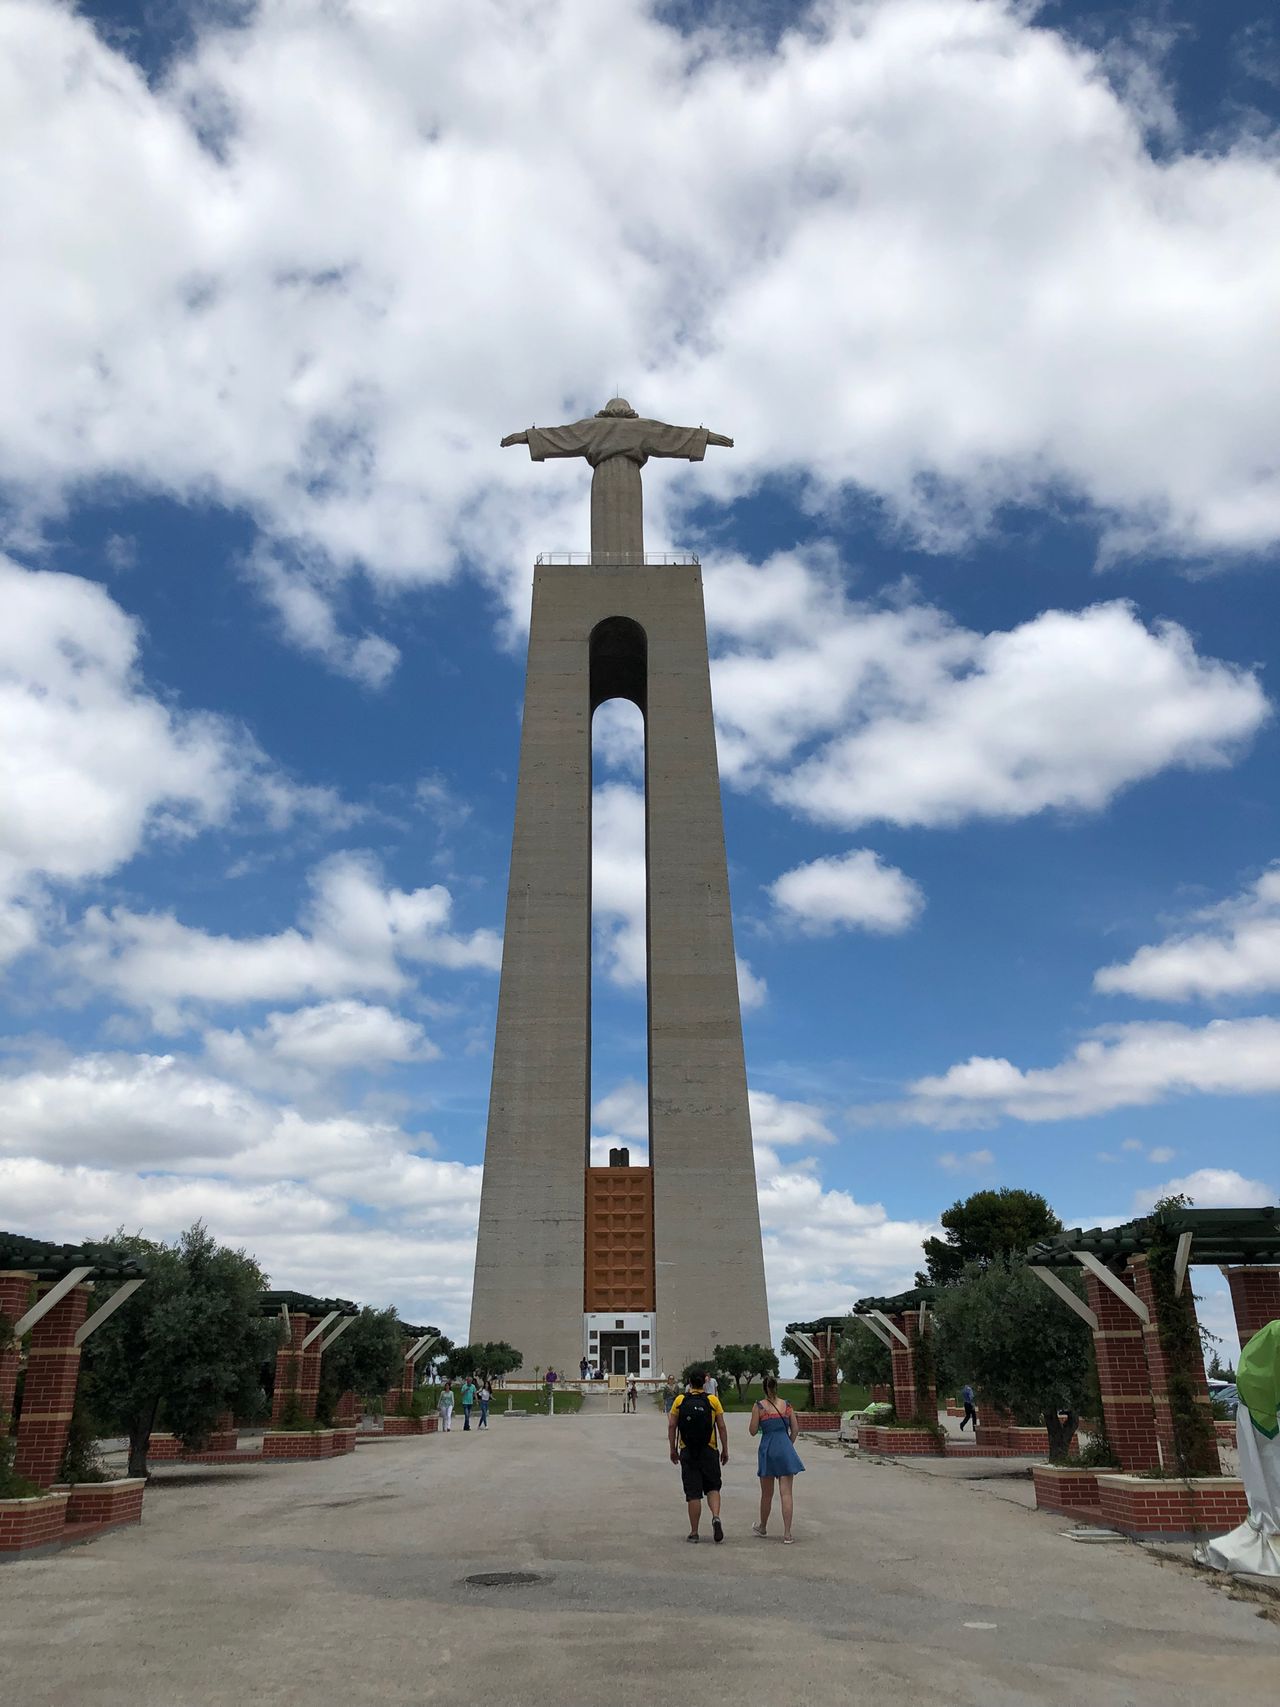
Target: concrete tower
{"type": "Point", "coordinates": [642, 1268]}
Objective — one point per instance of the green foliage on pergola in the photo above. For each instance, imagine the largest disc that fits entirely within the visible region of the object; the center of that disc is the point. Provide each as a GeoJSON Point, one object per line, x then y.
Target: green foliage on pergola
{"type": "Point", "coordinates": [1218, 1237]}
{"type": "Point", "coordinates": [50, 1262]}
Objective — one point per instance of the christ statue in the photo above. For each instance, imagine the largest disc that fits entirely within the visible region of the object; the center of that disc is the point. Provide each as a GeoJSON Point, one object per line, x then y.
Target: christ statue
{"type": "Point", "coordinates": [617, 443]}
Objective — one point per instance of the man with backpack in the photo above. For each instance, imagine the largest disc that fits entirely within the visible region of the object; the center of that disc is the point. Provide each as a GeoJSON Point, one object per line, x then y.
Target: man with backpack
{"type": "Point", "coordinates": [697, 1416]}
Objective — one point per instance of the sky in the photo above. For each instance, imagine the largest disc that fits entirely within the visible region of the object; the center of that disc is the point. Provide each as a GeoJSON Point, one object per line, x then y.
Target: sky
{"type": "Point", "coordinates": [986, 295]}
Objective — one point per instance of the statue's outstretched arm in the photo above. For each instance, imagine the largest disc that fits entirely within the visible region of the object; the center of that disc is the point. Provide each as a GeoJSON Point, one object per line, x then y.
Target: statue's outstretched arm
{"type": "Point", "coordinates": [515, 439]}
{"type": "Point", "coordinates": [718, 439]}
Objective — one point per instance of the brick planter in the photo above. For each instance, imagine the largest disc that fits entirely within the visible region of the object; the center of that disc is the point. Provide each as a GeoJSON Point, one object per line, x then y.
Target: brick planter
{"type": "Point", "coordinates": [106, 1502]}
{"type": "Point", "coordinates": [409, 1425]}
{"type": "Point", "coordinates": [1067, 1491]}
{"type": "Point", "coordinates": [32, 1525]}
{"type": "Point", "coordinates": [1159, 1509]}
{"type": "Point", "coordinates": [1225, 1429]}
{"type": "Point", "coordinates": [308, 1443]}
{"type": "Point", "coordinates": [817, 1422]}
{"type": "Point", "coordinates": [167, 1448]}
{"type": "Point", "coordinates": [899, 1442]}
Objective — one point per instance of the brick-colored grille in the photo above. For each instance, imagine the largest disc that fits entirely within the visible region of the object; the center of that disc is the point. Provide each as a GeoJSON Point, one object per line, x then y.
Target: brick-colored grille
{"type": "Point", "coordinates": [619, 1240]}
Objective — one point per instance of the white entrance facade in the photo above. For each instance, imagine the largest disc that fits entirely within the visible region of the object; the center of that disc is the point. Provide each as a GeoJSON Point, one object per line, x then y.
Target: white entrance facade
{"type": "Point", "coordinates": [621, 1342]}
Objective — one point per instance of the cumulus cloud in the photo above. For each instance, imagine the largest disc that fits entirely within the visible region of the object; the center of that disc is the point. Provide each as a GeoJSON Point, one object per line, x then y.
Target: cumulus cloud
{"type": "Point", "coordinates": [972, 1162]}
{"type": "Point", "coordinates": [94, 763]}
{"type": "Point", "coordinates": [297, 279]}
{"type": "Point", "coordinates": [857, 890]}
{"type": "Point", "coordinates": [1118, 1066]}
{"type": "Point", "coordinates": [296, 1050]}
{"type": "Point", "coordinates": [618, 883]}
{"type": "Point", "coordinates": [1238, 954]}
{"type": "Point", "coordinates": [355, 935]}
{"type": "Point", "coordinates": [852, 711]}
{"type": "Point", "coordinates": [1209, 1188]}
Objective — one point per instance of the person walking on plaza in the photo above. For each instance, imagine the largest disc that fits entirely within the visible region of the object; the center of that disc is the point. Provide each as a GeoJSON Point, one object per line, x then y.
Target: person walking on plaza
{"type": "Point", "coordinates": [631, 1392]}
{"type": "Point", "coordinates": [970, 1409]}
{"type": "Point", "coordinates": [444, 1405]}
{"type": "Point", "coordinates": [711, 1387]}
{"type": "Point", "coordinates": [468, 1401]}
{"type": "Point", "coordinates": [696, 1416]}
{"type": "Point", "coordinates": [778, 1461]}
{"type": "Point", "coordinates": [485, 1395]}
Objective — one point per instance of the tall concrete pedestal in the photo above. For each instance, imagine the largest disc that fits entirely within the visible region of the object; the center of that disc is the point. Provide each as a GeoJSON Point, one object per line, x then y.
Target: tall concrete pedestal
{"type": "Point", "coordinates": [622, 629]}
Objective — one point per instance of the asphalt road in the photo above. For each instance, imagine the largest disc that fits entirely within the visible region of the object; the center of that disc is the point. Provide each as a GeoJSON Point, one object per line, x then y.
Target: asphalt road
{"type": "Point", "coordinates": [345, 1582]}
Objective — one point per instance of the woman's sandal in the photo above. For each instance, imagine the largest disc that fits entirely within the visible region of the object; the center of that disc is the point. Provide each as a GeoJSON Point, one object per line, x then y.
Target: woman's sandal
{"type": "Point", "coordinates": [758, 1529]}
{"type": "Point", "coordinates": [788, 1540]}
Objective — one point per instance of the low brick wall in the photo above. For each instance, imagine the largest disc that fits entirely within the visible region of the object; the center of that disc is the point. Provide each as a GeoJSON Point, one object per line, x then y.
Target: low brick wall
{"type": "Point", "coordinates": [1025, 1442]}
{"type": "Point", "coordinates": [308, 1443]}
{"type": "Point", "coordinates": [31, 1524]}
{"type": "Point", "coordinates": [106, 1502]}
{"type": "Point", "coordinates": [1225, 1429]}
{"type": "Point", "coordinates": [1065, 1491]}
{"type": "Point", "coordinates": [899, 1442]}
{"type": "Point", "coordinates": [1159, 1508]}
{"type": "Point", "coordinates": [410, 1425]}
{"type": "Point", "coordinates": [817, 1422]}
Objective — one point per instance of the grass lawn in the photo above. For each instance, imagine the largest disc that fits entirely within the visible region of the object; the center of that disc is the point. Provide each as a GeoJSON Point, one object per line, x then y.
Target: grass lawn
{"type": "Point", "coordinates": [518, 1399]}
{"type": "Point", "coordinates": [851, 1398]}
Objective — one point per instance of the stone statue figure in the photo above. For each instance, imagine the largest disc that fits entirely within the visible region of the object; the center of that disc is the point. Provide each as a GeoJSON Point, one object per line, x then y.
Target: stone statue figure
{"type": "Point", "coordinates": [617, 443]}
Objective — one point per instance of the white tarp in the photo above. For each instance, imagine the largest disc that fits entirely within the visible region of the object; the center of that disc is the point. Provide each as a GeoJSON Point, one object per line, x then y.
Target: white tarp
{"type": "Point", "coordinates": [1255, 1546]}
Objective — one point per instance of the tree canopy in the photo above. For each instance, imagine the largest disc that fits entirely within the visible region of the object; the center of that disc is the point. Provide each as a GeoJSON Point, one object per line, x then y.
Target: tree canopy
{"type": "Point", "coordinates": [493, 1358]}
{"type": "Point", "coordinates": [743, 1364]}
{"type": "Point", "coordinates": [365, 1360]}
{"type": "Point", "coordinates": [863, 1359]}
{"type": "Point", "coordinates": [1018, 1345]}
{"type": "Point", "coordinates": [188, 1345]}
{"type": "Point", "coordinates": [984, 1226]}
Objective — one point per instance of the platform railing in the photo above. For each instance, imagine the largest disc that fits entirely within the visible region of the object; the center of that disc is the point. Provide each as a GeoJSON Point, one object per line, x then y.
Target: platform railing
{"type": "Point", "coordinates": [619, 559]}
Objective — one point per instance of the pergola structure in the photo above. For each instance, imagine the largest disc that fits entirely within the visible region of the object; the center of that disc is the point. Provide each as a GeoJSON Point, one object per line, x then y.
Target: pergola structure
{"type": "Point", "coordinates": [1137, 1363]}
{"type": "Point", "coordinates": [818, 1341]}
{"type": "Point", "coordinates": [904, 1326]}
{"type": "Point", "coordinates": [46, 1290]}
{"type": "Point", "coordinates": [418, 1342]}
{"type": "Point", "coordinates": [311, 1326]}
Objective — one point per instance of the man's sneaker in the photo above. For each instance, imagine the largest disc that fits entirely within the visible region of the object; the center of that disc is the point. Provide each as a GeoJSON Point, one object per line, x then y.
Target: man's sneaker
{"type": "Point", "coordinates": [716, 1530]}
{"type": "Point", "coordinates": [691, 1537]}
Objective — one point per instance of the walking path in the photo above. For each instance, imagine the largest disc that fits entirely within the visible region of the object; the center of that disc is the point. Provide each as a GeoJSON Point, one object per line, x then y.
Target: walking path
{"type": "Point", "coordinates": [339, 1583]}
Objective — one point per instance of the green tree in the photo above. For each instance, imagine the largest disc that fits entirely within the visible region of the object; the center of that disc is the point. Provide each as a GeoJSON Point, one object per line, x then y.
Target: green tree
{"type": "Point", "coordinates": [864, 1361]}
{"type": "Point", "coordinates": [365, 1361]}
{"type": "Point", "coordinates": [742, 1364]}
{"type": "Point", "coordinates": [493, 1358]}
{"type": "Point", "coordinates": [984, 1226]}
{"type": "Point", "coordinates": [1019, 1345]}
{"type": "Point", "coordinates": [189, 1341]}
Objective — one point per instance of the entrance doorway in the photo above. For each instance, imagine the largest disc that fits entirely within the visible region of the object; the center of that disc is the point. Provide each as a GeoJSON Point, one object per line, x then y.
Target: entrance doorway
{"type": "Point", "coordinates": [620, 1353]}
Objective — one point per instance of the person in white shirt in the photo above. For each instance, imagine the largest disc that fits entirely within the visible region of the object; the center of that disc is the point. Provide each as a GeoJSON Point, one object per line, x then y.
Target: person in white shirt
{"type": "Point", "coordinates": [711, 1386]}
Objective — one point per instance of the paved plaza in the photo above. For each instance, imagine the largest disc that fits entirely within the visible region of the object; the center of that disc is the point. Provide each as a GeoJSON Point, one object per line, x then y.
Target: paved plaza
{"type": "Point", "coordinates": [338, 1583]}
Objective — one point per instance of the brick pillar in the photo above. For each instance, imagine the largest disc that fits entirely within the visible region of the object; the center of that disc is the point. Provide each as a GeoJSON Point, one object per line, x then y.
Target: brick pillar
{"type": "Point", "coordinates": [53, 1367]}
{"type": "Point", "coordinates": [825, 1373]}
{"type": "Point", "coordinates": [881, 1393]}
{"type": "Point", "coordinates": [1160, 1369]}
{"type": "Point", "coordinates": [1125, 1386]}
{"type": "Point", "coordinates": [908, 1406]}
{"type": "Point", "coordinates": [224, 1435]}
{"type": "Point", "coordinates": [15, 1294]}
{"type": "Point", "coordinates": [289, 1371]}
{"type": "Point", "coordinates": [309, 1390]}
{"type": "Point", "coordinates": [1255, 1297]}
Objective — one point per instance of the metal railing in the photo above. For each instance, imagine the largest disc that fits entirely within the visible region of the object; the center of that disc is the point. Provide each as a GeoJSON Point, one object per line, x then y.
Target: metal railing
{"type": "Point", "coordinates": [619, 559]}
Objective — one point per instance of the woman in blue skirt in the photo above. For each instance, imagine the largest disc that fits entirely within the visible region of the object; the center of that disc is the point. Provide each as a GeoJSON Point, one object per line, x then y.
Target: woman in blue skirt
{"type": "Point", "coordinates": [775, 1423]}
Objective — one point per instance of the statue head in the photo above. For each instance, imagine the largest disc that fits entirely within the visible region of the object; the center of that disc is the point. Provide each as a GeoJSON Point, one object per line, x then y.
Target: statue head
{"type": "Point", "coordinates": [617, 406]}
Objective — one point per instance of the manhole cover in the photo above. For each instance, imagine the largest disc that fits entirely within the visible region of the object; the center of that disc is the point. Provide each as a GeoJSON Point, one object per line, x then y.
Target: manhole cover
{"type": "Point", "coordinates": [503, 1579]}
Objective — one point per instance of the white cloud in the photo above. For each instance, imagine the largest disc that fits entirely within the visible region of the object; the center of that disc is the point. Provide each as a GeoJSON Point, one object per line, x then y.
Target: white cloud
{"type": "Point", "coordinates": [293, 1051]}
{"type": "Point", "coordinates": [618, 883]}
{"type": "Point", "coordinates": [753, 989]}
{"type": "Point", "coordinates": [856, 890]}
{"type": "Point", "coordinates": [972, 1162]}
{"type": "Point", "coordinates": [624, 1111]}
{"type": "Point", "coordinates": [355, 935]}
{"type": "Point", "coordinates": [94, 764]}
{"type": "Point", "coordinates": [1209, 1188]}
{"type": "Point", "coordinates": [1118, 1066]}
{"type": "Point", "coordinates": [297, 279]}
{"type": "Point", "coordinates": [1238, 956]}
{"type": "Point", "coordinates": [777, 1122]}
{"type": "Point", "coordinates": [307, 618]}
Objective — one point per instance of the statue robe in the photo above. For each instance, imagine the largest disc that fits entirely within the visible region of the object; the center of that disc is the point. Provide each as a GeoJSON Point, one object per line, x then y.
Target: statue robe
{"type": "Point", "coordinates": [600, 437]}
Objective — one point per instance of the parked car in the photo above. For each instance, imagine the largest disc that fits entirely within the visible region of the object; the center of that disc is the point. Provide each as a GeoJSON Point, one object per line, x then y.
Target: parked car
{"type": "Point", "coordinates": [1224, 1394]}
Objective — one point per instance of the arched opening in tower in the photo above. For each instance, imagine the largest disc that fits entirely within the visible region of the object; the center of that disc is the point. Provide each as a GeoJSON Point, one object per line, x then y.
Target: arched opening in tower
{"type": "Point", "coordinates": [618, 1280]}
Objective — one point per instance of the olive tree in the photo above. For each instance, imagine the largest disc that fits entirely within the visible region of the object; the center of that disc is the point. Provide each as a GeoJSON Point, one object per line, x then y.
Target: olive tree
{"type": "Point", "coordinates": [188, 1345]}
{"type": "Point", "coordinates": [1019, 1345]}
{"type": "Point", "coordinates": [365, 1360]}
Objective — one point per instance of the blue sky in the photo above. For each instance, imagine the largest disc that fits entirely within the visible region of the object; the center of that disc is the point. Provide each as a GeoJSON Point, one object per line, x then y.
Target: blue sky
{"type": "Point", "coordinates": [986, 295]}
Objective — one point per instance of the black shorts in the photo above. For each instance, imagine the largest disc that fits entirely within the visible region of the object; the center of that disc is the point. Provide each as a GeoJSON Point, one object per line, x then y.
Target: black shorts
{"type": "Point", "coordinates": [700, 1471]}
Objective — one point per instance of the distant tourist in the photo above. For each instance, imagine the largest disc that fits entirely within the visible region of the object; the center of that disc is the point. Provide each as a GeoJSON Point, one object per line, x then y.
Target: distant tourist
{"type": "Point", "coordinates": [970, 1409]}
{"type": "Point", "coordinates": [778, 1461]}
{"type": "Point", "coordinates": [668, 1394]}
{"type": "Point", "coordinates": [697, 1417]}
{"type": "Point", "coordinates": [445, 1406]}
{"type": "Point", "coordinates": [468, 1401]}
{"type": "Point", "coordinates": [631, 1393]}
{"type": "Point", "coordinates": [584, 1370]}
{"type": "Point", "coordinates": [485, 1396]}
{"type": "Point", "coordinates": [712, 1387]}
